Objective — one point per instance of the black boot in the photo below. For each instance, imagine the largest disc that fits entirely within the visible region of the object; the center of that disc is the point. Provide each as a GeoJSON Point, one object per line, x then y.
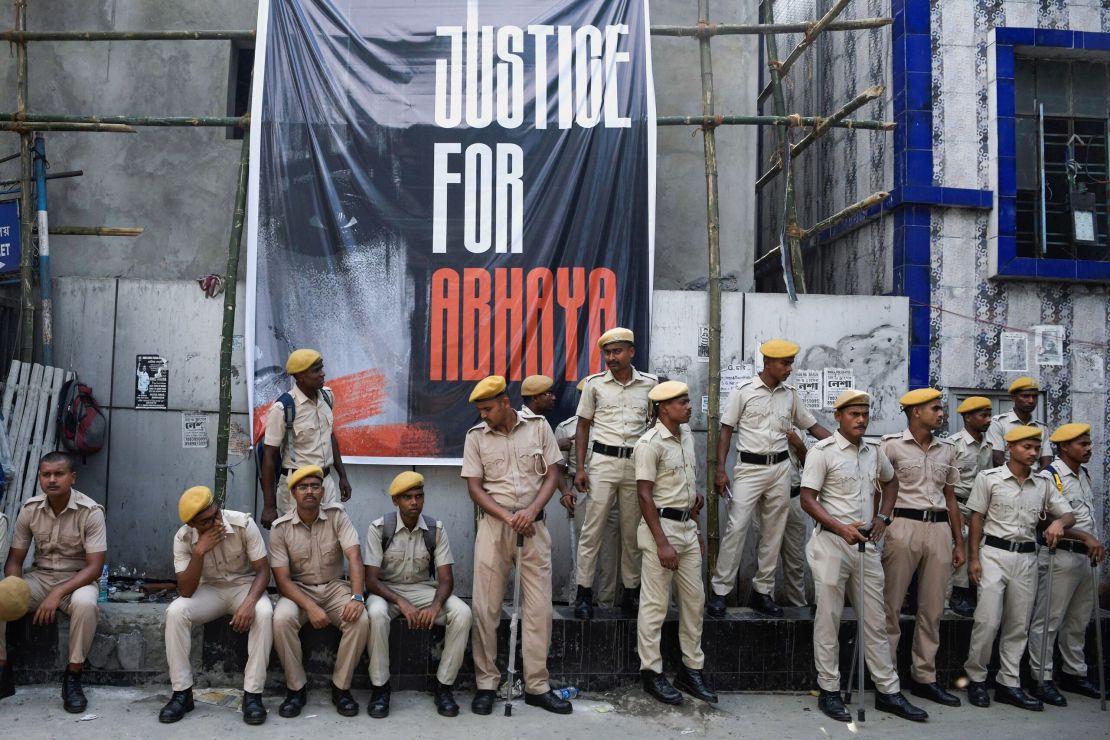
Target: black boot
{"type": "Point", "coordinates": [716, 606]}
{"type": "Point", "coordinates": [378, 706]}
{"type": "Point", "coordinates": [7, 681]}
{"type": "Point", "coordinates": [445, 700]}
{"type": "Point", "coordinates": [584, 603]}
{"type": "Point", "coordinates": [1068, 682]}
{"type": "Point", "coordinates": [961, 603]}
{"type": "Point", "coordinates": [344, 703]}
{"type": "Point", "coordinates": [550, 701]}
{"type": "Point", "coordinates": [1047, 693]}
{"type": "Point", "coordinates": [832, 704]}
{"type": "Point", "coordinates": [179, 704]}
{"type": "Point", "coordinates": [977, 694]}
{"type": "Point", "coordinates": [1017, 698]}
{"type": "Point", "coordinates": [764, 604]}
{"type": "Point", "coordinates": [483, 701]}
{"type": "Point", "coordinates": [692, 681]}
{"type": "Point", "coordinates": [73, 698]}
{"type": "Point", "coordinates": [896, 704]}
{"type": "Point", "coordinates": [933, 692]}
{"type": "Point", "coordinates": [254, 712]}
{"type": "Point", "coordinates": [630, 602]}
{"type": "Point", "coordinates": [657, 685]}
{"type": "Point", "coordinates": [294, 702]}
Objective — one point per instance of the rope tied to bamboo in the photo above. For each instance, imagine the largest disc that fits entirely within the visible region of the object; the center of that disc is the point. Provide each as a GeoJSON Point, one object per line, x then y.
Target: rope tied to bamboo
{"type": "Point", "coordinates": [794, 120]}
{"type": "Point", "coordinates": [706, 29]}
{"type": "Point", "coordinates": [774, 65]}
{"type": "Point", "coordinates": [709, 124]}
{"type": "Point", "coordinates": [795, 232]}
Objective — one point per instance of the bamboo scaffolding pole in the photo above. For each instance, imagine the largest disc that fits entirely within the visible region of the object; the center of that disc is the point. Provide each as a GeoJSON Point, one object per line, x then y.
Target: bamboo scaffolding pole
{"type": "Point", "coordinates": [828, 223]}
{"type": "Point", "coordinates": [754, 29]}
{"type": "Point", "coordinates": [108, 128]}
{"type": "Point", "coordinates": [794, 121]}
{"type": "Point", "coordinates": [822, 128]}
{"type": "Point", "coordinates": [51, 176]}
{"type": "Point", "coordinates": [26, 257]}
{"type": "Point", "coordinates": [97, 230]}
{"type": "Point", "coordinates": [185, 121]}
{"type": "Point", "coordinates": [807, 41]}
{"type": "Point", "coordinates": [19, 35]}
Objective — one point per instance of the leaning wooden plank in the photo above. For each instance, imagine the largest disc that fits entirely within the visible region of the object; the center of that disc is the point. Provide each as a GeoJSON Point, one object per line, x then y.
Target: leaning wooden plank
{"type": "Point", "coordinates": [38, 432]}
{"type": "Point", "coordinates": [9, 393]}
{"type": "Point", "coordinates": [26, 425]}
{"type": "Point", "coordinates": [20, 398]}
{"type": "Point", "coordinates": [61, 377]}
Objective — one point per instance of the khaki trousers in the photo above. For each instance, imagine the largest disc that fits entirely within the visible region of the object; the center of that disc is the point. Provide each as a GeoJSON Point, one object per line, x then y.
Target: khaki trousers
{"type": "Point", "coordinates": [1069, 612]}
{"type": "Point", "coordinates": [208, 602]}
{"type": "Point", "coordinates": [288, 619]}
{"type": "Point", "coordinates": [655, 595]}
{"type": "Point", "coordinates": [768, 488]}
{"type": "Point", "coordinates": [959, 576]}
{"type": "Point", "coordinates": [1007, 593]}
{"type": "Point", "coordinates": [611, 479]}
{"type": "Point", "coordinates": [454, 614]}
{"type": "Point", "coordinates": [80, 606]}
{"type": "Point", "coordinates": [835, 567]}
{"type": "Point", "coordinates": [926, 548]}
{"type": "Point", "coordinates": [494, 554]}
{"type": "Point", "coordinates": [285, 500]}
{"type": "Point", "coordinates": [608, 559]}
{"type": "Point", "coordinates": [792, 553]}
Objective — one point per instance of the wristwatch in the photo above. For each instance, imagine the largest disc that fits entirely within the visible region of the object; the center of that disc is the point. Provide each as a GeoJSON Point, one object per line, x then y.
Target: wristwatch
{"type": "Point", "coordinates": [359, 598]}
{"type": "Point", "coordinates": [885, 519]}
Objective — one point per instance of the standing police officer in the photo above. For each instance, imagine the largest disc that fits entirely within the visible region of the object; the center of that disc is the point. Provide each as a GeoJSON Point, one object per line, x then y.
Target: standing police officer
{"type": "Point", "coordinates": [973, 455]}
{"type": "Point", "coordinates": [1024, 393]}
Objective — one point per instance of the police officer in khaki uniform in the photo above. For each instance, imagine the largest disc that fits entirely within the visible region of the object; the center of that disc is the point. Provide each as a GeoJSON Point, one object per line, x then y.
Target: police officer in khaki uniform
{"type": "Point", "coordinates": [671, 543]}
{"type": "Point", "coordinates": [973, 455]}
{"type": "Point", "coordinates": [511, 466]}
{"type": "Point", "coordinates": [792, 553]}
{"type": "Point", "coordinates": [1006, 503]}
{"type": "Point", "coordinates": [761, 411]}
{"type": "Point", "coordinates": [307, 548]}
{"type": "Point", "coordinates": [614, 410]}
{"type": "Point", "coordinates": [839, 483]}
{"type": "Point", "coordinates": [313, 438]}
{"type": "Point", "coordinates": [1024, 392]}
{"type": "Point", "coordinates": [1073, 593]}
{"type": "Point", "coordinates": [537, 399]}
{"type": "Point", "coordinates": [925, 537]}
{"type": "Point", "coordinates": [406, 579]}
{"type": "Point", "coordinates": [221, 566]}
{"type": "Point", "coordinates": [67, 528]}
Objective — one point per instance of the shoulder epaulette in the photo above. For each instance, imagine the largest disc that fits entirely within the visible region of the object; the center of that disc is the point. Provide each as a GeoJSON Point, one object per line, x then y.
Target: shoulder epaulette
{"type": "Point", "coordinates": [823, 443]}
{"type": "Point", "coordinates": [895, 435]}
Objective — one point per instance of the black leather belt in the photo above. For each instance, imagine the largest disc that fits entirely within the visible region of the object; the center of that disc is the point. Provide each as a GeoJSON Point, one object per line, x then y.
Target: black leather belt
{"type": "Point", "coordinates": [795, 491]}
{"type": "Point", "coordinates": [612, 451]}
{"type": "Point", "coordinates": [289, 471]}
{"type": "Point", "coordinates": [769, 459]}
{"type": "Point", "coordinates": [1069, 545]}
{"type": "Point", "coordinates": [542, 515]}
{"type": "Point", "coordinates": [1004, 544]}
{"type": "Point", "coordinates": [678, 515]}
{"type": "Point", "coordinates": [922, 516]}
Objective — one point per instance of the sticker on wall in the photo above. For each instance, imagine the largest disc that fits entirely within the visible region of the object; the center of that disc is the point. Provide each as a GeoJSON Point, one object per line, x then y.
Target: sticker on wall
{"type": "Point", "coordinates": [836, 379]}
{"type": "Point", "coordinates": [1049, 343]}
{"type": "Point", "coordinates": [808, 383]}
{"type": "Point", "coordinates": [732, 376]}
{"type": "Point", "coordinates": [194, 430]}
{"type": "Point", "coordinates": [1014, 352]}
{"type": "Point", "coordinates": [152, 382]}
{"type": "Point", "coordinates": [703, 344]}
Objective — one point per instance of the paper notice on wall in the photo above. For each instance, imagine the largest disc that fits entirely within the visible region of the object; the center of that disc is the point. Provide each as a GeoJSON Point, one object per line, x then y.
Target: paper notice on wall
{"type": "Point", "coordinates": [152, 382]}
{"type": "Point", "coordinates": [194, 430]}
{"type": "Point", "coordinates": [1049, 343]}
{"type": "Point", "coordinates": [835, 380]}
{"type": "Point", "coordinates": [705, 404]}
{"type": "Point", "coordinates": [808, 383]}
{"type": "Point", "coordinates": [1014, 351]}
{"type": "Point", "coordinates": [703, 344]}
{"type": "Point", "coordinates": [732, 376]}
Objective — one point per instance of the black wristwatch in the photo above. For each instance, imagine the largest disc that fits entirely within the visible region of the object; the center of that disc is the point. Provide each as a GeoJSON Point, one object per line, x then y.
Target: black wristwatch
{"type": "Point", "coordinates": [885, 519]}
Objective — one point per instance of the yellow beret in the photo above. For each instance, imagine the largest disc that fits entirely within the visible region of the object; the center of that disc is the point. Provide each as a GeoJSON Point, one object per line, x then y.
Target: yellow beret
{"type": "Point", "coordinates": [973, 403]}
{"type": "Point", "coordinates": [851, 397]}
{"type": "Point", "coordinates": [301, 473]}
{"type": "Point", "coordinates": [778, 349]}
{"type": "Point", "coordinates": [534, 385]}
{"type": "Point", "coordinates": [301, 360]}
{"type": "Point", "coordinates": [1024, 383]}
{"type": "Point", "coordinates": [488, 387]}
{"type": "Point", "coordinates": [405, 481]}
{"type": "Point", "coordinates": [194, 501]}
{"type": "Point", "coordinates": [581, 385]}
{"type": "Point", "coordinates": [1068, 432]}
{"type": "Point", "coordinates": [667, 390]}
{"type": "Point", "coordinates": [616, 334]}
{"type": "Point", "coordinates": [919, 396]}
{"type": "Point", "coordinates": [15, 598]}
{"type": "Point", "coordinates": [1019, 433]}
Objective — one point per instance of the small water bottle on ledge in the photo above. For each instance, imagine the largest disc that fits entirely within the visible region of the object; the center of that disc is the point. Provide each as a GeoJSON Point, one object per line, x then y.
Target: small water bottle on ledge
{"type": "Point", "coordinates": [103, 595]}
{"type": "Point", "coordinates": [567, 693]}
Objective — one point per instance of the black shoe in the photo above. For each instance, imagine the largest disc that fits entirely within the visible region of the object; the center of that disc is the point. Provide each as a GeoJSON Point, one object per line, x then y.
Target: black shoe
{"type": "Point", "coordinates": [933, 692]}
{"type": "Point", "coordinates": [692, 682]}
{"type": "Point", "coordinates": [716, 606]}
{"type": "Point", "coordinates": [73, 698]}
{"type": "Point", "coordinates": [549, 701]}
{"type": "Point", "coordinates": [177, 707]}
{"type": "Point", "coordinates": [584, 603]}
{"type": "Point", "coordinates": [378, 706]}
{"type": "Point", "coordinates": [896, 704]}
{"type": "Point", "coordinates": [483, 701]}
{"type": "Point", "coordinates": [832, 704]}
{"type": "Point", "coordinates": [1017, 698]}
{"type": "Point", "coordinates": [7, 681]}
{"type": "Point", "coordinates": [960, 603]}
{"type": "Point", "coordinates": [630, 602]}
{"type": "Point", "coordinates": [294, 702]}
{"type": "Point", "coordinates": [764, 604]}
{"type": "Point", "coordinates": [977, 694]}
{"type": "Point", "coordinates": [1068, 682]}
{"type": "Point", "coordinates": [1047, 693]}
{"type": "Point", "coordinates": [344, 703]}
{"type": "Point", "coordinates": [657, 685]}
{"type": "Point", "coordinates": [445, 700]}
{"type": "Point", "coordinates": [254, 711]}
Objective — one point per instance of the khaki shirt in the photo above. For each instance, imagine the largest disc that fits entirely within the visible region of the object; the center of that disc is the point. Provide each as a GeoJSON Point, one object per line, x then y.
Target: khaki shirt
{"type": "Point", "coordinates": [922, 474]}
{"type": "Point", "coordinates": [1003, 423]}
{"type": "Point", "coordinates": [971, 457]}
{"type": "Point", "coordinates": [844, 477]}
{"type": "Point", "coordinates": [61, 542]}
{"type": "Point", "coordinates": [525, 411]}
{"type": "Point", "coordinates": [1078, 492]}
{"type": "Point", "coordinates": [313, 554]}
{"type": "Point", "coordinates": [229, 563]}
{"type": "Point", "coordinates": [312, 428]}
{"type": "Point", "coordinates": [1011, 509]}
{"type": "Point", "coordinates": [511, 466]}
{"type": "Point", "coordinates": [567, 429]}
{"type": "Point", "coordinates": [670, 463]}
{"type": "Point", "coordinates": [618, 413]}
{"type": "Point", "coordinates": [760, 416]}
{"type": "Point", "coordinates": [407, 560]}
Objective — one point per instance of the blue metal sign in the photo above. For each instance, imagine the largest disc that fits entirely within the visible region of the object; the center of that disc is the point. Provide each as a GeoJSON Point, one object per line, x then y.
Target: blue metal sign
{"type": "Point", "coordinates": [9, 236]}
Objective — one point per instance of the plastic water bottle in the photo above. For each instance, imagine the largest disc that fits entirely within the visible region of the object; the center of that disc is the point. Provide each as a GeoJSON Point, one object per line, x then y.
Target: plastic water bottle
{"type": "Point", "coordinates": [567, 693]}
{"type": "Point", "coordinates": [103, 595]}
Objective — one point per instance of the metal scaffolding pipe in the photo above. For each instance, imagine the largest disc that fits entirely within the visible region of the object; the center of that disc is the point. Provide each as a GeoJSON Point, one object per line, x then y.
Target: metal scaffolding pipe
{"type": "Point", "coordinates": [185, 121]}
{"type": "Point", "coordinates": [778, 121]}
{"type": "Point", "coordinates": [19, 35]}
{"type": "Point", "coordinates": [753, 29]}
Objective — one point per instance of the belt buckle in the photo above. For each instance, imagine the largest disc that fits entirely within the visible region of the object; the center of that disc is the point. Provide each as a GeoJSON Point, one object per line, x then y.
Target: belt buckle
{"type": "Point", "coordinates": [685, 515]}
{"type": "Point", "coordinates": [769, 458]}
{"type": "Point", "coordinates": [1015, 546]}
